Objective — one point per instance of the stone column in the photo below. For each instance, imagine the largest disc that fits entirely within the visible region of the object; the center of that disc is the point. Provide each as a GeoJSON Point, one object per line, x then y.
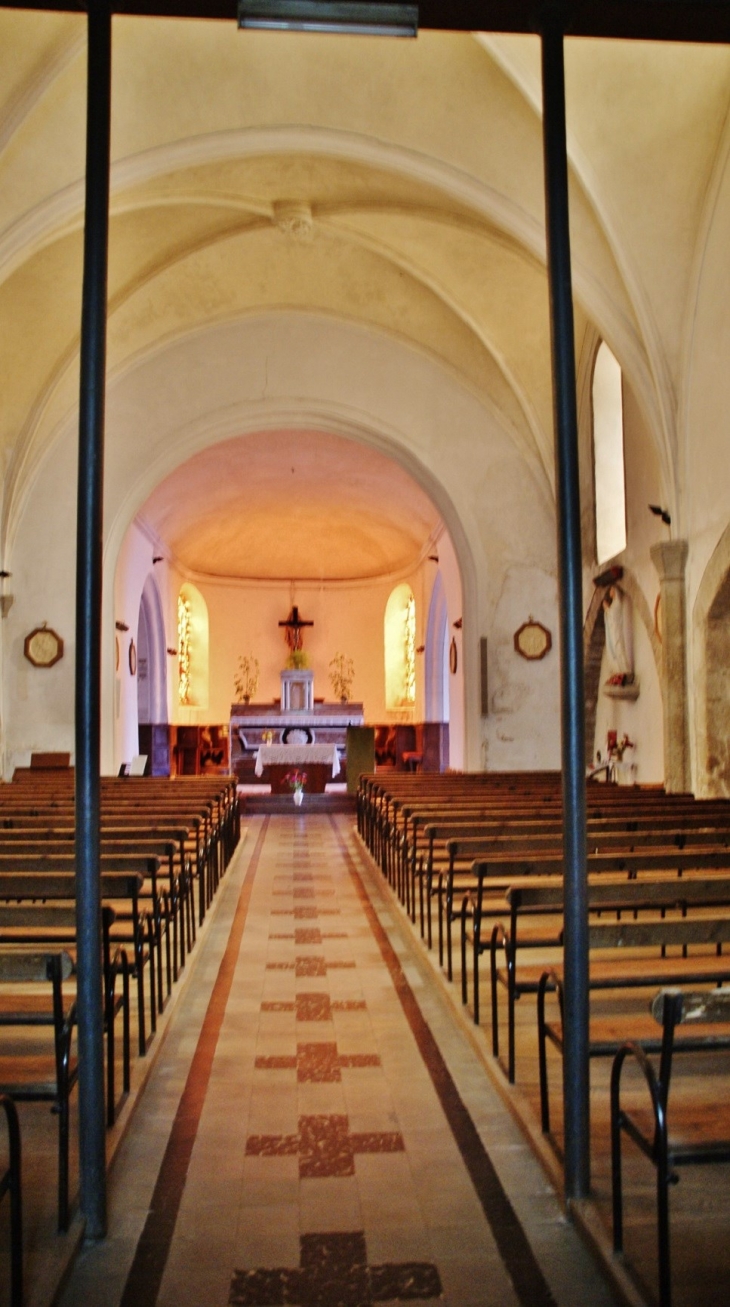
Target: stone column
{"type": "Point", "coordinates": [670, 559]}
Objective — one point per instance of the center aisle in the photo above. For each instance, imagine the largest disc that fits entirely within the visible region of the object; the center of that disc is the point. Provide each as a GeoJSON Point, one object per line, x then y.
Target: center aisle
{"type": "Point", "coordinates": [316, 1130]}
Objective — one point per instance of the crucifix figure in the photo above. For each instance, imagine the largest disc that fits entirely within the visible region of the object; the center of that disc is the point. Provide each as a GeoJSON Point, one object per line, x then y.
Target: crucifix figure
{"type": "Point", "coordinates": [293, 627]}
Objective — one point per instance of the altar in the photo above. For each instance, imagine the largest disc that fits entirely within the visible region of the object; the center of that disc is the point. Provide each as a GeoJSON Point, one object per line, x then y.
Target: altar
{"type": "Point", "coordinates": [252, 724]}
{"type": "Point", "coordinates": [319, 762]}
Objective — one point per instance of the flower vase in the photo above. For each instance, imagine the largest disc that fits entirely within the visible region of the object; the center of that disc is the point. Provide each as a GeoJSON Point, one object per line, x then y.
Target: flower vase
{"type": "Point", "coordinates": [298, 796]}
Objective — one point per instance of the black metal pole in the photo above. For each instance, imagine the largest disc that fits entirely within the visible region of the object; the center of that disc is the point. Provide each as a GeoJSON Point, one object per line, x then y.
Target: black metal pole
{"type": "Point", "coordinates": [575, 1056]}
{"type": "Point", "coordinates": [88, 624]}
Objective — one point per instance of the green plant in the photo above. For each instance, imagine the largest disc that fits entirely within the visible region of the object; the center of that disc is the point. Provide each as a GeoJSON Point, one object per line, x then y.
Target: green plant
{"type": "Point", "coordinates": [342, 674]}
{"type": "Point", "coordinates": [297, 661]}
{"type": "Point", "coordinates": [246, 680]}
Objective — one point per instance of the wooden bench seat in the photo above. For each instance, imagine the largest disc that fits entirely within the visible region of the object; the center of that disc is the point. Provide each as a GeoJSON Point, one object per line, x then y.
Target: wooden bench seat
{"type": "Point", "coordinates": [706, 933]}
{"type": "Point", "coordinates": [667, 1139]}
{"type": "Point", "coordinates": [660, 892]}
{"type": "Point", "coordinates": [47, 1073]}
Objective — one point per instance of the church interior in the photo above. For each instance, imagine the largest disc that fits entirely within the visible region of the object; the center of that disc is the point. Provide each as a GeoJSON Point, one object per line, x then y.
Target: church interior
{"type": "Point", "coordinates": [329, 456]}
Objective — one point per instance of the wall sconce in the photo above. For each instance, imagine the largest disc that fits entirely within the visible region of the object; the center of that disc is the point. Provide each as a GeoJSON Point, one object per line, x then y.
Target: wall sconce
{"type": "Point", "coordinates": [172, 653]}
{"type": "Point", "coordinates": [458, 623]}
{"type": "Point", "coordinates": [6, 601]}
{"type": "Point", "coordinates": [121, 626]}
{"type": "Point", "coordinates": [158, 558]}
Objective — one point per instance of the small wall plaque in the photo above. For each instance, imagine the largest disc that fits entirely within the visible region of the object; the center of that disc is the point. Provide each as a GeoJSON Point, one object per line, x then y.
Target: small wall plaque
{"type": "Point", "coordinates": [533, 640]}
{"type": "Point", "coordinates": [43, 647]}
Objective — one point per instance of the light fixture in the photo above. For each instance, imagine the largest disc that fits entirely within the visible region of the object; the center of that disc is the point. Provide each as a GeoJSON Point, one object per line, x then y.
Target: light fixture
{"type": "Point", "coordinates": [347, 17]}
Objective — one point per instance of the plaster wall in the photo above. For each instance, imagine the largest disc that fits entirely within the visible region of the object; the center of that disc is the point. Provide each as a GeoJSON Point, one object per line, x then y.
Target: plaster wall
{"type": "Point", "coordinates": [39, 702]}
{"type": "Point", "coordinates": [523, 726]}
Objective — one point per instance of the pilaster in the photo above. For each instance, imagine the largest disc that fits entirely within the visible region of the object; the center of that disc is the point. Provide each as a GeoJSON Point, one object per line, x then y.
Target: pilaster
{"type": "Point", "coordinates": [670, 560]}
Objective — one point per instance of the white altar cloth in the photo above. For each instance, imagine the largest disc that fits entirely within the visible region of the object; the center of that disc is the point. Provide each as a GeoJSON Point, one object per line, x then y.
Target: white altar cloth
{"type": "Point", "coordinates": [296, 755]}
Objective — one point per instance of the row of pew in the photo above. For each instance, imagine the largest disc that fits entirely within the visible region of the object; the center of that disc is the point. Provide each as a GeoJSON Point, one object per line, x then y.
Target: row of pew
{"type": "Point", "coordinates": [164, 847]}
{"type": "Point", "coordinates": [477, 863]}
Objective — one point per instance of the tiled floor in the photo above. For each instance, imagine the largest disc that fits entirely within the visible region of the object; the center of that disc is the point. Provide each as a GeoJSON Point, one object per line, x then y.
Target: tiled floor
{"type": "Point", "coordinates": [317, 1131]}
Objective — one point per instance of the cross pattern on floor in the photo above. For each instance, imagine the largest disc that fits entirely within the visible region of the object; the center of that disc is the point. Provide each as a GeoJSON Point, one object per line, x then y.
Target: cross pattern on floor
{"type": "Point", "coordinates": [333, 1272]}
{"type": "Point", "coordinates": [317, 1063]}
{"type": "Point", "coordinates": [304, 892]}
{"type": "Point", "coordinates": [309, 966]}
{"type": "Point", "coordinates": [315, 1007]}
{"type": "Point", "coordinates": [311, 936]}
{"type": "Point", "coordinates": [305, 914]}
{"type": "Point", "coordinates": [324, 1145]}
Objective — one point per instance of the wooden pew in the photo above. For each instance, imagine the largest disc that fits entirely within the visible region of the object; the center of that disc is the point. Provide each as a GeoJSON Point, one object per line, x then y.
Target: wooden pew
{"type": "Point", "coordinates": [41, 1076]}
{"type": "Point", "coordinates": [703, 1140]}
{"type": "Point", "coordinates": [11, 1182]}
{"type": "Point", "coordinates": [541, 898]}
{"type": "Point", "coordinates": [616, 971]}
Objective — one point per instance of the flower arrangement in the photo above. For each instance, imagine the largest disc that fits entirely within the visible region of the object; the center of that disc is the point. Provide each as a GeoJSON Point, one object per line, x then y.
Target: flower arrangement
{"type": "Point", "coordinates": [296, 780]}
{"type": "Point", "coordinates": [297, 661]}
{"type": "Point", "coordinates": [246, 680]}
{"type": "Point", "coordinates": [616, 747]}
{"type": "Point", "coordinates": [341, 674]}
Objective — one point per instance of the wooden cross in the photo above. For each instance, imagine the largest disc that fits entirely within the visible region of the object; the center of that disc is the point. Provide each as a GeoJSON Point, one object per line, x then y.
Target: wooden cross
{"type": "Point", "coordinates": [333, 1269]}
{"type": "Point", "coordinates": [293, 627]}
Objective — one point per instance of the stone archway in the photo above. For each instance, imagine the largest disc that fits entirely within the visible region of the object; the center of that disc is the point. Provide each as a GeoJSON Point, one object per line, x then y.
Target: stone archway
{"type": "Point", "coordinates": [711, 674]}
{"type": "Point", "coordinates": [717, 691]}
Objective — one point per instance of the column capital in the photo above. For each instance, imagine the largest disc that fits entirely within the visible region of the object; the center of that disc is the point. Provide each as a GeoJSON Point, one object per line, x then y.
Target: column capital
{"type": "Point", "coordinates": [670, 559]}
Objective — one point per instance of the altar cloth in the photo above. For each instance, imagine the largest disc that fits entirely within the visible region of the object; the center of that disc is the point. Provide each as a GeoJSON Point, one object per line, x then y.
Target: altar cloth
{"type": "Point", "coordinates": [297, 755]}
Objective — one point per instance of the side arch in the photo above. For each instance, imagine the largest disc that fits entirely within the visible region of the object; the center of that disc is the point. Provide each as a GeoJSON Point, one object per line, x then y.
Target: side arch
{"type": "Point", "coordinates": [711, 636]}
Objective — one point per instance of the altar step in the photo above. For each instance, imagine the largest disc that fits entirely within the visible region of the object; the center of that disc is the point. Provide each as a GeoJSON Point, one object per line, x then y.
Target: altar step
{"type": "Point", "coordinates": [283, 804]}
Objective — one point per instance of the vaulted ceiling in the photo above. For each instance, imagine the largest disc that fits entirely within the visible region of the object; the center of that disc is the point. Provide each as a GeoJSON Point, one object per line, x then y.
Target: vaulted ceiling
{"type": "Point", "coordinates": [395, 185]}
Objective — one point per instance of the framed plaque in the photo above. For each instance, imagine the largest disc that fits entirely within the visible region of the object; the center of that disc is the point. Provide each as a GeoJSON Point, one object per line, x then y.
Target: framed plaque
{"type": "Point", "coordinates": [533, 640]}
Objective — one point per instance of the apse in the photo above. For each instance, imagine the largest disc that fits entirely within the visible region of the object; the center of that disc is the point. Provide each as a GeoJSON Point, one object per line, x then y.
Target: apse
{"type": "Point", "coordinates": [307, 522]}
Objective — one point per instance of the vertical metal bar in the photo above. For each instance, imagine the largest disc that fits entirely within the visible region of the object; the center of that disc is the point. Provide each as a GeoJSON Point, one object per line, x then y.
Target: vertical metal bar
{"type": "Point", "coordinates": [88, 623]}
{"type": "Point", "coordinates": [575, 1057]}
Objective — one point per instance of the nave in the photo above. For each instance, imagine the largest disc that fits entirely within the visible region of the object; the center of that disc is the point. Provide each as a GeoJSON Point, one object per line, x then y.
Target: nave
{"type": "Point", "coordinates": [316, 1129]}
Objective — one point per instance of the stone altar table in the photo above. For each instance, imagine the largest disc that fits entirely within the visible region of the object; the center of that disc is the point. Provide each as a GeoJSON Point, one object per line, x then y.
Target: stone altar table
{"type": "Point", "coordinates": [321, 762]}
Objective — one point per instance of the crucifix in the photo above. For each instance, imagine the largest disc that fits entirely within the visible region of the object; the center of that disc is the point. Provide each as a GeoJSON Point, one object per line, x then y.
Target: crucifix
{"type": "Point", "coordinates": [293, 627]}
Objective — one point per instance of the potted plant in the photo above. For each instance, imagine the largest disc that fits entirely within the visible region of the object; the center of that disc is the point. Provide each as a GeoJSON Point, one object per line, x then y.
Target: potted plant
{"type": "Point", "coordinates": [297, 661]}
{"type": "Point", "coordinates": [342, 674]}
{"type": "Point", "coordinates": [246, 680]}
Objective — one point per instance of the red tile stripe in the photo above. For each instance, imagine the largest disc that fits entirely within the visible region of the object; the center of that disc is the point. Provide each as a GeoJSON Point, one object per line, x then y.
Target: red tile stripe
{"type": "Point", "coordinates": [150, 1258]}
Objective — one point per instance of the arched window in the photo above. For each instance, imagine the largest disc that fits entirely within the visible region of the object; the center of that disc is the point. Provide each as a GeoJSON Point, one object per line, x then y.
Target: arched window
{"type": "Point", "coordinates": [608, 456]}
{"type": "Point", "coordinates": [192, 647]}
{"type": "Point", "coordinates": [400, 649]}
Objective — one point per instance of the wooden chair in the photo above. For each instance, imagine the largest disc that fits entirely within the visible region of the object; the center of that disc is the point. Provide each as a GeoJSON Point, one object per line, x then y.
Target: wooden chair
{"type": "Point", "coordinates": [10, 1183]}
{"type": "Point", "coordinates": [49, 1077]}
{"type": "Point", "coordinates": [671, 1008]}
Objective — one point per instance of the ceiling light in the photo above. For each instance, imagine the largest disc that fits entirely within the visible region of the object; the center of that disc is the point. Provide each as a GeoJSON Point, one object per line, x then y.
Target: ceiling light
{"type": "Point", "coordinates": [353, 17]}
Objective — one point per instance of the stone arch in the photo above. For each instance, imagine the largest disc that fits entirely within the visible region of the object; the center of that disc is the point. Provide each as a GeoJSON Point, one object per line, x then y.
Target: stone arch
{"type": "Point", "coordinates": [711, 626]}
{"type": "Point", "coordinates": [152, 657]}
{"type": "Point", "coordinates": [437, 705]}
{"type": "Point", "coordinates": [594, 643]}
{"type": "Point", "coordinates": [293, 401]}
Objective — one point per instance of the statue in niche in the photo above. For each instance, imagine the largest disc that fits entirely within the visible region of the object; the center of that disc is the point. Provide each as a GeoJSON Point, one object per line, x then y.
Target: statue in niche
{"type": "Point", "coordinates": [615, 614]}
